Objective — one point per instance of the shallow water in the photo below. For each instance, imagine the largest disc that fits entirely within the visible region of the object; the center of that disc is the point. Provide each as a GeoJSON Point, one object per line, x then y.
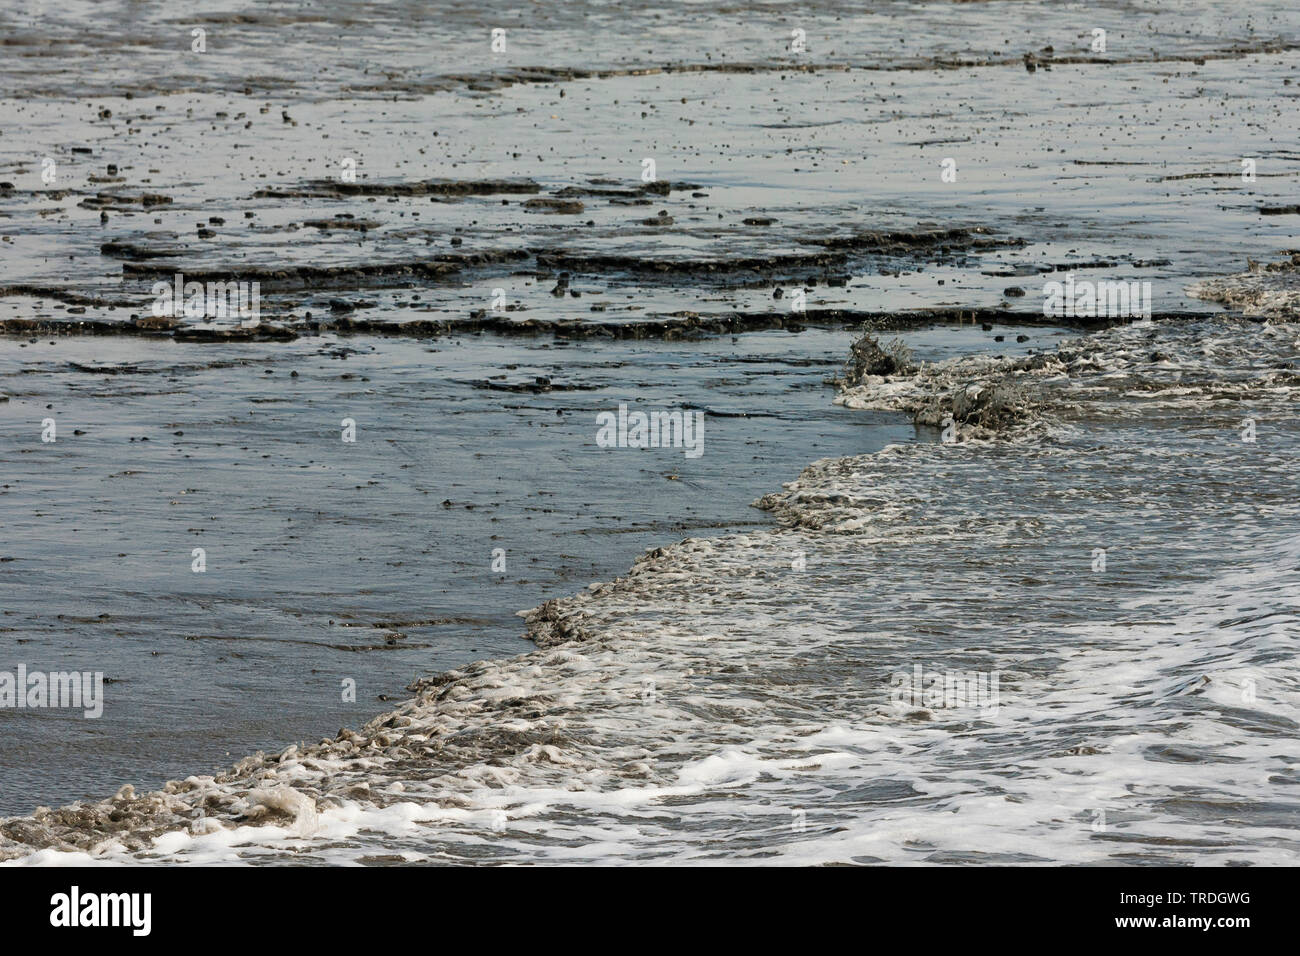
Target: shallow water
{"type": "Point", "coordinates": [329, 560]}
{"type": "Point", "coordinates": [732, 697]}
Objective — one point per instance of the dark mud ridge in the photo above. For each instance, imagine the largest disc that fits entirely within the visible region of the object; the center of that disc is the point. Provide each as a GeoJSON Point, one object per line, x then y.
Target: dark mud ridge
{"type": "Point", "coordinates": [1032, 60]}
{"type": "Point", "coordinates": [352, 276]}
{"type": "Point", "coordinates": [676, 325]}
{"type": "Point", "coordinates": [330, 188]}
{"type": "Point", "coordinates": [839, 252]}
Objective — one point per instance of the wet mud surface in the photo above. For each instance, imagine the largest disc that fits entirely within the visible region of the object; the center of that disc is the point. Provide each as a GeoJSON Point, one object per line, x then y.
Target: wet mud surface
{"type": "Point", "coordinates": [463, 252]}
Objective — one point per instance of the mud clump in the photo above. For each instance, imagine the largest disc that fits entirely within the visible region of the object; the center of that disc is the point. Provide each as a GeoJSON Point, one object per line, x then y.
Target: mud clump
{"type": "Point", "coordinates": [342, 222]}
{"type": "Point", "coordinates": [656, 188]}
{"type": "Point", "coordinates": [114, 201]}
{"type": "Point", "coordinates": [549, 625]}
{"type": "Point", "coordinates": [985, 407]}
{"type": "Point", "coordinates": [867, 357]}
{"type": "Point", "coordinates": [124, 249]}
{"type": "Point", "coordinates": [555, 207]}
